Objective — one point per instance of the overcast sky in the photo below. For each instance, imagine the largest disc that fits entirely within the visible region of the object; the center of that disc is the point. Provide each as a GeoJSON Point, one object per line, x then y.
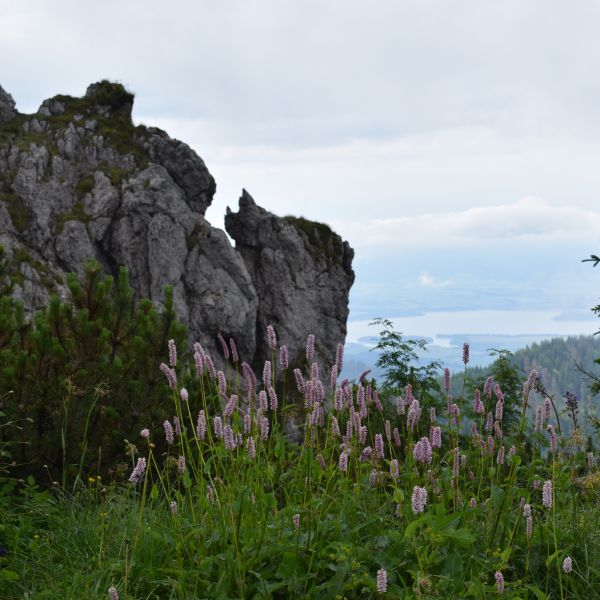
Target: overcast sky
{"type": "Point", "coordinates": [456, 145]}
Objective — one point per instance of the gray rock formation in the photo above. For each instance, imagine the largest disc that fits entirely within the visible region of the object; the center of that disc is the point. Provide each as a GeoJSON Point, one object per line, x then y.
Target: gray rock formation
{"type": "Point", "coordinates": [78, 180]}
{"type": "Point", "coordinates": [7, 106]}
{"type": "Point", "coordinates": [302, 272]}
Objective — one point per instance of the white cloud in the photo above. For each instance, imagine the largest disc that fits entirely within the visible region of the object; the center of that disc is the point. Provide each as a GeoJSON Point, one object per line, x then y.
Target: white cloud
{"type": "Point", "coordinates": [429, 280]}
{"type": "Point", "coordinates": [530, 219]}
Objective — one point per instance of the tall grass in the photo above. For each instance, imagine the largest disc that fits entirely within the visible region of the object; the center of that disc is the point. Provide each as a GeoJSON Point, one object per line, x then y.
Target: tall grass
{"type": "Point", "coordinates": [371, 502]}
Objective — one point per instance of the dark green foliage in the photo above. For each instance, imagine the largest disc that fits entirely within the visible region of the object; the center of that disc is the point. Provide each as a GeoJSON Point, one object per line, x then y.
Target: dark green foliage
{"type": "Point", "coordinates": [84, 372]}
{"type": "Point", "coordinates": [319, 240]}
{"type": "Point", "coordinates": [398, 359]}
{"type": "Point", "coordinates": [84, 186]}
{"type": "Point", "coordinates": [19, 213]}
{"type": "Point", "coordinates": [108, 93]}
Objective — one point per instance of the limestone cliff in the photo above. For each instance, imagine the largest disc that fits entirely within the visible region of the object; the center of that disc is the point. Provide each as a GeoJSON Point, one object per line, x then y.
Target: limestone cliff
{"type": "Point", "coordinates": [79, 180]}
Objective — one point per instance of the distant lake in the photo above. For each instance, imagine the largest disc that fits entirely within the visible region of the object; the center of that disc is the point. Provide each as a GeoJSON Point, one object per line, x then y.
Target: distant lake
{"type": "Point", "coordinates": [446, 332]}
{"type": "Point", "coordinates": [435, 325]}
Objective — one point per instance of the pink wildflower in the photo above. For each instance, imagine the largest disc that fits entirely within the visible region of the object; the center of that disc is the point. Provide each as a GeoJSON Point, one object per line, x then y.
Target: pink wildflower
{"type": "Point", "coordinates": [223, 346]}
{"type": "Point", "coordinates": [379, 445]}
{"type": "Point", "coordinates": [419, 499]}
{"type": "Point", "coordinates": [335, 427]}
{"type": "Point", "coordinates": [262, 400]}
{"type": "Point", "coordinates": [381, 581]}
{"type": "Point", "coordinates": [230, 406]}
{"type": "Point", "coordinates": [499, 410]}
{"type": "Point", "coordinates": [273, 398]}
{"type": "Point", "coordinates": [201, 425]}
{"type": "Point", "coordinates": [338, 400]}
{"type": "Point", "coordinates": [145, 433]}
{"type": "Point", "coordinates": [271, 337]}
{"type": "Point", "coordinates": [138, 471]}
{"type": "Point", "coordinates": [310, 347]}
{"type": "Point", "coordinates": [218, 427]}
{"type": "Point", "coordinates": [267, 373]}
{"type": "Point", "coordinates": [489, 423]}
{"type": "Point", "coordinates": [400, 405]}
{"type": "Point", "coordinates": [500, 457]}
{"type": "Point", "coordinates": [365, 454]}
{"type": "Point", "coordinates": [199, 363]}
{"type": "Point", "coordinates": [414, 413]}
{"type": "Point", "coordinates": [478, 404]}
{"type": "Point", "coordinates": [499, 582]}
{"type": "Point", "coordinates": [168, 432]}
{"type": "Point", "coordinates": [362, 435]}
{"type": "Point", "coordinates": [436, 437]}
{"type": "Point", "coordinates": [299, 381]}
{"type": "Point", "coordinates": [567, 565]}
{"type": "Point", "coordinates": [170, 375]}
{"type": "Point", "coordinates": [547, 409]}
{"type": "Point", "coordinates": [172, 353]}
{"type": "Point", "coordinates": [343, 463]}
{"type": "Point", "coordinates": [228, 437]}
{"type": "Point", "coordinates": [264, 428]}
{"type": "Point", "coordinates": [112, 593]}
{"type": "Point", "coordinates": [498, 393]}
{"type": "Point", "coordinates": [234, 353]}
{"type": "Point", "coordinates": [283, 358]}
{"type": "Point", "coordinates": [250, 447]}
{"type": "Point", "coordinates": [212, 372]}
{"type": "Point", "coordinates": [373, 478]}
{"type": "Point", "coordinates": [487, 388]}
{"type": "Point", "coordinates": [465, 356]}
{"type": "Point", "coordinates": [447, 380]}
{"type": "Point", "coordinates": [210, 494]}
{"type": "Point", "coordinates": [547, 494]}
{"type": "Point", "coordinates": [422, 451]}
{"type": "Point", "coordinates": [339, 357]}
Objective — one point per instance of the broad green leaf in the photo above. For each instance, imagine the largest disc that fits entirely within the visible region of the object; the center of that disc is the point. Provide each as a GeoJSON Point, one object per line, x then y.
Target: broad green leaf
{"type": "Point", "coordinates": [538, 593]}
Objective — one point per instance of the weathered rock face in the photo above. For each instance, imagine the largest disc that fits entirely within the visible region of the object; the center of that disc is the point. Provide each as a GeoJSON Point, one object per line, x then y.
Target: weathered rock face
{"type": "Point", "coordinates": [301, 271]}
{"type": "Point", "coordinates": [78, 180]}
{"type": "Point", "coordinates": [7, 106]}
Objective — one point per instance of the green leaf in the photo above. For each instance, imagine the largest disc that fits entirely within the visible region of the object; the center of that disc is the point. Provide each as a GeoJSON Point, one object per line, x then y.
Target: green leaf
{"type": "Point", "coordinates": [538, 593]}
{"type": "Point", "coordinates": [412, 527]}
{"type": "Point", "coordinates": [398, 496]}
{"type": "Point", "coordinates": [10, 575]}
{"type": "Point", "coordinates": [553, 556]}
{"type": "Point", "coordinates": [461, 536]}
{"type": "Point", "coordinates": [154, 492]}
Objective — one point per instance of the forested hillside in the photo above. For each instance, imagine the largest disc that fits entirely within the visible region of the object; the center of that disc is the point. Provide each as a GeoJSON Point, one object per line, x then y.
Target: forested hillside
{"type": "Point", "coordinates": [560, 362]}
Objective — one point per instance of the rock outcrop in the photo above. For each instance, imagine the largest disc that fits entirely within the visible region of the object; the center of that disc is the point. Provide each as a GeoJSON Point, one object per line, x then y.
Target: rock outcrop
{"type": "Point", "coordinates": [78, 180]}
{"type": "Point", "coordinates": [302, 272]}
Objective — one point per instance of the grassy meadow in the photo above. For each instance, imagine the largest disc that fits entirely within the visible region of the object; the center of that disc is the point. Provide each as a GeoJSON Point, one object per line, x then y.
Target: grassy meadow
{"type": "Point", "coordinates": [297, 483]}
